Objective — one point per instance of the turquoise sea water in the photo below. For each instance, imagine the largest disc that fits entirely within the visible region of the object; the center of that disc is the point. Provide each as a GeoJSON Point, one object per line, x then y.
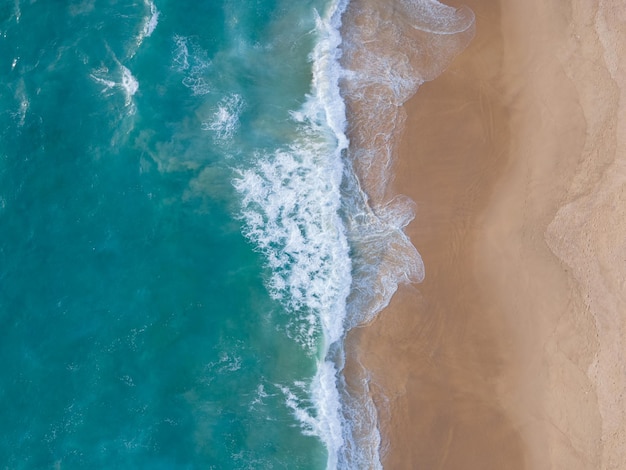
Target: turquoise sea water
{"type": "Point", "coordinates": [183, 243]}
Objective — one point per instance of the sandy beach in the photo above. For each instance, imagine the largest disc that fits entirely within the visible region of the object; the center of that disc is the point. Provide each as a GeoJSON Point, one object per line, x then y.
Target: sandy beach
{"type": "Point", "coordinates": [511, 353]}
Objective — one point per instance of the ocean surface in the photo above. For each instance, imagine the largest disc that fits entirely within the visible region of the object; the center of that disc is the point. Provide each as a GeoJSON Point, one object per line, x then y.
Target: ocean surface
{"type": "Point", "coordinates": [186, 232]}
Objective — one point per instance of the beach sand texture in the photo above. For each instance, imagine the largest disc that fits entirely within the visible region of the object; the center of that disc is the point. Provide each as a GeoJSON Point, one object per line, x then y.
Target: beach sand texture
{"type": "Point", "coordinates": [511, 354]}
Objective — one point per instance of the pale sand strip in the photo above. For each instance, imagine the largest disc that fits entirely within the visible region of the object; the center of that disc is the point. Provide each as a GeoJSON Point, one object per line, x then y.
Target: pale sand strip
{"type": "Point", "coordinates": [589, 230]}
{"type": "Point", "coordinates": [508, 356]}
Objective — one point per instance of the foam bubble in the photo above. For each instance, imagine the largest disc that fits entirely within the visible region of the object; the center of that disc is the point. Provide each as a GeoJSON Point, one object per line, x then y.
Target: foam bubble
{"type": "Point", "coordinates": [126, 82]}
{"type": "Point", "coordinates": [362, 444]}
{"type": "Point", "coordinates": [225, 119]}
{"type": "Point", "coordinates": [198, 85]}
{"type": "Point", "coordinates": [317, 409]}
{"type": "Point", "coordinates": [24, 103]}
{"type": "Point", "coordinates": [108, 84]}
{"type": "Point", "coordinates": [259, 397]}
{"type": "Point", "coordinates": [180, 59]}
{"type": "Point", "coordinates": [152, 20]}
{"type": "Point", "coordinates": [290, 205]}
{"type": "Point", "coordinates": [431, 16]}
{"type": "Point", "coordinates": [130, 85]}
{"type": "Point", "coordinates": [17, 11]}
{"type": "Point", "coordinates": [195, 65]}
{"type": "Point", "coordinates": [226, 363]}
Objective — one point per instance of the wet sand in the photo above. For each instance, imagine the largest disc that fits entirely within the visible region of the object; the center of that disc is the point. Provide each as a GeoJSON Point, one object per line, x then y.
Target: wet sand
{"type": "Point", "coordinates": [511, 353]}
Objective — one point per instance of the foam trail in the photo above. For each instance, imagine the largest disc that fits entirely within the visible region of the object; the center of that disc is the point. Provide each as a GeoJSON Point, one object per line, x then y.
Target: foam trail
{"type": "Point", "coordinates": [180, 60]}
{"type": "Point", "coordinates": [405, 46]}
{"type": "Point", "coordinates": [149, 25]}
{"type": "Point", "coordinates": [127, 83]}
{"type": "Point", "coordinates": [123, 79]}
{"type": "Point", "coordinates": [225, 120]}
{"type": "Point", "coordinates": [24, 103]}
{"type": "Point", "coordinates": [108, 84]}
{"type": "Point", "coordinates": [130, 85]}
{"type": "Point", "coordinates": [17, 11]}
{"type": "Point", "coordinates": [194, 65]}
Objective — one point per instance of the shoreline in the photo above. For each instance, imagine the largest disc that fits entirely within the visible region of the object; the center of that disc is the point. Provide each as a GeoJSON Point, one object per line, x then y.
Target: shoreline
{"type": "Point", "coordinates": [509, 354]}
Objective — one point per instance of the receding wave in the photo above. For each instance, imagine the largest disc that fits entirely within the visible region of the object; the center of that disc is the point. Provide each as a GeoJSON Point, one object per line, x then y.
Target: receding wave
{"type": "Point", "coordinates": [388, 52]}
{"type": "Point", "coordinates": [320, 208]}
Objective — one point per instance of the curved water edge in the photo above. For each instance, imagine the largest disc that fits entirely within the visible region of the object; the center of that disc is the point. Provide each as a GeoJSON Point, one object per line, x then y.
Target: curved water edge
{"type": "Point", "coordinates": [321, 211]}
{"type": "Point", "coordinates": [406, 43]}
{"type": "Point", "coordinates": [389, 49]}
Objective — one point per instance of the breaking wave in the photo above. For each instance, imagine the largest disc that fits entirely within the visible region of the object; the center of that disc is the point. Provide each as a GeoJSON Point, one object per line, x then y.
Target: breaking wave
{"type": "Point", "coordinates": [320, 209]}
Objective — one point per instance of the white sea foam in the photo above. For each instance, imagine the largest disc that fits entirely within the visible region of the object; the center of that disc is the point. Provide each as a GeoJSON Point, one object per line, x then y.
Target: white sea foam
{"type": "Point", "coordinates": [130, 85]}
{"type": "Point", "coordinates": [319, 413]}
{"type": "Point", "coordinates": [260, 395]}
{"type": "Point", "coordinates": [152, 20]}
{"type": "Point", "coordinates": [24, 103]}
{"type": "Point", "coordinates": [291, 203]}
{"type": "Point", "coordinates": [108, 84]}
{"type": "Point", "coordinates": [198, 85]}
{"type": "Point", "coordinates": [227, 363]}
{"type": "Point", "coordinates": [390, 50]}
{"type": "Point", "coordinates": [180, 59]}
{"type": "Point", "coordinates": [388, 53]}
{"type": "Point", "coordinates": [125, 81]}
{"type": "Point", "coordinates": [362, 440]}
{"type": "Point", "coordinates": [225, 119]}
{"type": "Point", "coordinates": [195, 64]}
{"type": "Point", "coordinates": [17, 11]}
{"type": "Point", "coordinates": [23, 109]}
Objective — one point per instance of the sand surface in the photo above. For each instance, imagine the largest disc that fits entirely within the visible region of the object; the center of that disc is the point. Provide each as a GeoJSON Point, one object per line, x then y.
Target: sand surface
{"type": "Point", "coordinates": [511, 353]}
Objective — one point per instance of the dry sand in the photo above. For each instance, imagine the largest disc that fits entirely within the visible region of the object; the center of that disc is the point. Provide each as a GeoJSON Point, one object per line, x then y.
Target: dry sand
{"type": "Point", "coordinates": [511, 354]}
